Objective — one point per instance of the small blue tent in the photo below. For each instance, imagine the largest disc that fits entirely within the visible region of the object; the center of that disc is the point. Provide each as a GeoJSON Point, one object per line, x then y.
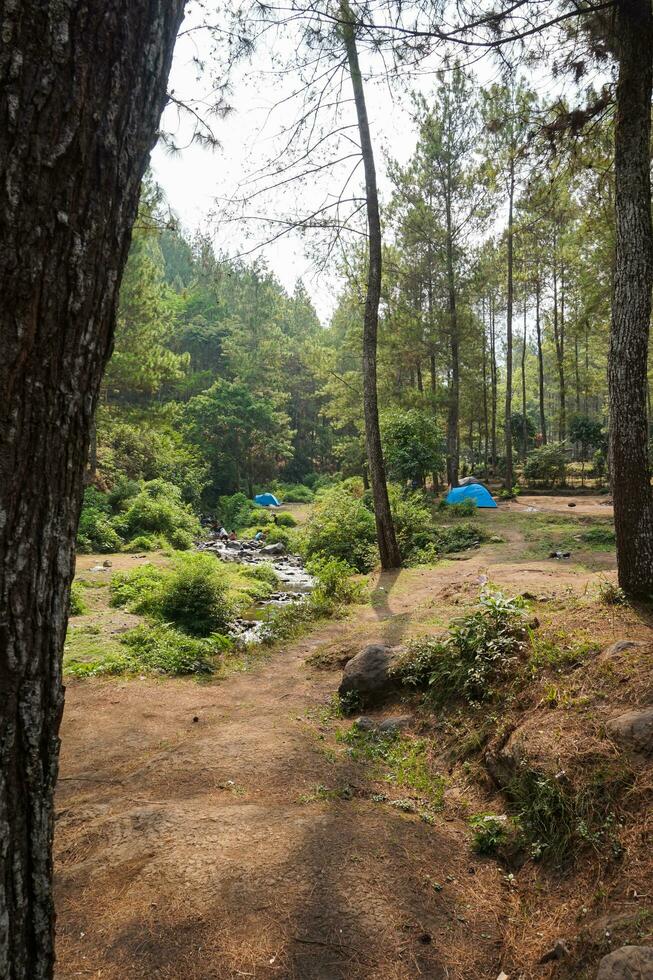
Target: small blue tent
{"type": "Point", "coordinates": [266, 500]}
{"type": "Point", "coordinates": [475, 491]}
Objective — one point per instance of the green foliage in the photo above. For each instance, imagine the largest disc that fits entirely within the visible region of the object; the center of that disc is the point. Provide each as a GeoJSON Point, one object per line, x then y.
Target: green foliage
{"type": "Point", "coordinates": [237, 511]}
{"type": "Point", "coordinates": [464, 508]}
{"type": "Point", "coordinates": [78, 605]}
{"type": "Point", "coordinates": [412, 444]}
{"type": "Point", "coordinates": [491, 833]}
{"type": "Point", "coordinates": [412, 519]}
{"type": "Point", "coordinates": [138, 590]}
{"type": "Point", "coordinates": [401, 760]}
{"type": "Point", "coordinates": [547, 465]}
{"type": "Point", "coordinates": [143, 542]}
{"type": "Point", "coordinates": [195, 596]}
{"type": "Point", "coordinates": [292, 493]}
{"type": "Point", "coordinates": [341, 526]}
{"type": "Point", "coordinates": [559, 820]}
{"type": "Point", "coordinates": [334, 580]}
{"type": "Point", "coordinates": [588, 433]}
{"type": "Point", "coordinates": [158, 510]}
{"type": "Point", "coordinates": [445, 540]}
{"type": "Point", "coordinates": [601, 535]}
{"type": "Point", "coordinates": [158, 649]}
{"type": "Point", "coordinates": [481, 650]}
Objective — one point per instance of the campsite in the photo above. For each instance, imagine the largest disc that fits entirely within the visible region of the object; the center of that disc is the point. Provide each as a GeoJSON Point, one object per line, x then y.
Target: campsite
{"type": "Point", "coordinates": [326, 490]}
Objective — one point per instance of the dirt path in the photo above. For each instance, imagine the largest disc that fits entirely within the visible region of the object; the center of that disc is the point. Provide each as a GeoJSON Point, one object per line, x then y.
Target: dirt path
{"type": "Point", "coordinates": [184, 849]}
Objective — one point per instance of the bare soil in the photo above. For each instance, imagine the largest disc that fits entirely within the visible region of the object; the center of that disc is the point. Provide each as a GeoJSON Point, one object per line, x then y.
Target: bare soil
{"type": "Point", "coordinates": [193, 840]}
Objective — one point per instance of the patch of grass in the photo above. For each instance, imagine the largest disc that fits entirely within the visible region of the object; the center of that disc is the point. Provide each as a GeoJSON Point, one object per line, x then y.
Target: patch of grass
{"type": "Point", "coordinates": [78, 604]}
{"type": "Point", "coordinates": [559, 652]}
{"type": "Point", "coordinates": [465, 508]}
{"type": "Point", "coordinates": [600, 536]}
{"type": "Point", "coordinates": [149, 650]}
{"type": "Point", "coordinates": [398, 759]}
{"type": "Point", "coordinates": [448, 540]}
{"type": "Point", "coordinates": [491, 833]}
{"type": "Point", "coordinates": [610, 594]}
{"type": "Point", "coordinates": [559, 820]}
{"type": "Point", "coordinates": [324, 794]}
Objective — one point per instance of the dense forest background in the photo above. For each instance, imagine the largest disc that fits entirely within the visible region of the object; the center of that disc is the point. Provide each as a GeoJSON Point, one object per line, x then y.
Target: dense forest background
{"type": "Point", "coordinates": [221, 382]}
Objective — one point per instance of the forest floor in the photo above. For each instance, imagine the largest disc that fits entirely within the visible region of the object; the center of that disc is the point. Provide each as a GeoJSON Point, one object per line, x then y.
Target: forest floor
{"type": "Point", "coordinates": [211, 831]}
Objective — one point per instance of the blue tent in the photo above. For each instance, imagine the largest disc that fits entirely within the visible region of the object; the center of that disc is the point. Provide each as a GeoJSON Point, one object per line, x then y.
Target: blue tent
{"type": "Point", "coordinates": [266, 500]}
{"type": "Point", "coordinates": [475, 491]}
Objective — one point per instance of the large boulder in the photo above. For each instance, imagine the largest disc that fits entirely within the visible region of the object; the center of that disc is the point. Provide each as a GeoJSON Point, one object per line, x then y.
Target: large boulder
{"type": "Point", "coordinates": [273, 549]}
{"type": "Point", "coordinates": [627, 963]}
{"type": "Point", "coordinates": [368, 673]}
{"type": "Point", "coordinates": [634, 729]}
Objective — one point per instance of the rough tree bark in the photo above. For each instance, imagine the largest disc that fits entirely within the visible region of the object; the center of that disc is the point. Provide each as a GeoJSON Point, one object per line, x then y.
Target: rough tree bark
{"type": "Point", "coordinates": [524, 429]}
{"type": "Point", "coordinates": [453, 441]}
{"type": "Point", "coordinates": [82, 87]}
{"type": "Point", "coordinates": [631, 301]}
{"type": "Point", "coordinates": [385, 532]}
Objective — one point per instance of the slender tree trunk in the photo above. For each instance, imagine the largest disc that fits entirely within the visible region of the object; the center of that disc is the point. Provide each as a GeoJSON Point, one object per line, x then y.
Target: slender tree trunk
{"type": "Point", "coordinates": [631, 302]}
{"type": "Point", "coordinates": [523, 392]}
{"type": "Point", "coordinates": [559, 338]}
{"type": "Point", "coordinates": [507, 420]}
{"type": "Point", "coordinates": [577, 372]}
{"type": "Point", "coordinates": [453, 447]}
{"type": "Point", "coordinates": [82, 87]}
{"type": "Point", "coordinates": [494, 379]}
{"type": "Point", "coordinates": [540, 360]}
{"type": "Point", "coordinates": [420, 382]}
{"type": "Point", "coordinates": [385, 532]}
{"type": "Point", "coordinates": [486, 427]}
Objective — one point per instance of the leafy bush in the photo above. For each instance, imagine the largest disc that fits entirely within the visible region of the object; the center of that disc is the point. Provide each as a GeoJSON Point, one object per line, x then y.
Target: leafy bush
{"type": "Point", "coordinates": [96, 532]}
{"type": "Point", "coordinates": [143, 542]}
{"type": "Point", "coordinates": [559, 820]}
{"type": "Point", "coordinates": [238, 511]}
{"type": "Point", "coordinates": [138, 590]}
{"type": "Point", "coordinates": [158, 649]}
{"type": "Point", "coordinates": [412, 519]}
{"type": "Point", "coordinates": [448, 540]}
{"type": "Point", "coordinates": [464, 508]}
{"type": "Point", "coordinates": [77, 604]}
{"type": "Point", "coordinates": [480, 650]}
{"type": "Point", "coordinates": [194, 597]}
{"type": "Point", "coordinates": [159, 509]}
{"type": "Point", "coordinates": [412, 444]}
{"type": "Point", "coordinates": [491, 833]}
{"type": "Point", "coordinates": [293, 493]}
{"type": "Point", "coordinates": [341, 526]}
{"type": "Point", "coordinates": [547, 465]}
{"type": "Point", "coordinates": [334, 580]}
{"type": "Point", "coordinates": [285, 520]}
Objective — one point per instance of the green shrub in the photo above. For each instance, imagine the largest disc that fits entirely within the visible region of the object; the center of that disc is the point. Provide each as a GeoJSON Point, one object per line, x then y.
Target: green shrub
{"type": "Point", "coordinates": [292, 493]}
{"type": "Point", "coordinates": [264, 573]}
{"type": "Point", "coordinates": [137, 590]}
{"type": "Point", "coordinates": [341, 526]}
{"type": "Point", "coordinates": [195, 596]}
{"type": "Point", "coordinates": [559, 820]}
{"type": "Point", "coordinates": [77, 604]}
{"type": "Point", "coordinates": [334, 580]}
{"type": "Point", "coordinates": [480, 650]}
{"type": "Point", "coordinates": [158, 509]}
{"type": "Point", "coordinates": [464, 508]}
{"type": "Point", "coordinates": [448, 540]}
{"type": "Point", "coordinates": [285, 520]}
{"type": "Point", "coordinates": [238, 511]}
{"type": "Point", "coordinates": [491, 833]}
{"type": "Point", "coordinates": [412, 520]}
{"type": "Point", "coordinates": [159, 649]}
{"type": "Point", "coordinates": [96, 532]}
{"type": "Point", "coordinates": [547, 464]}
{"type": "Point", "coordinates": [143, 542]}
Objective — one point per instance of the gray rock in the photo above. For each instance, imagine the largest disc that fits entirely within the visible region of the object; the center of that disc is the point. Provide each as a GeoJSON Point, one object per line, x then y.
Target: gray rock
{"type": "Point", "coordinates": [622, 645]}
{"type": "Point", "coordinates": [365, 723]}
{"type": "Point", "coordinates": [397, 724]}
{"type": "Point", "coordinates": [634, 729]}
{"type": "Point", "coordinates": [627, 963]}
{"type": "Point", "coordinates": [368, 673]}
{"type": "Point", "coordinates": [273, 549]}
{"type": "Point", "coordinates": [233, 545]}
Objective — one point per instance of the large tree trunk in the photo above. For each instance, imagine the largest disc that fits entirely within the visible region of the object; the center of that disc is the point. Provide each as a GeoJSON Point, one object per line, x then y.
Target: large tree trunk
{"type": "Point", "coordinates": [82, 87]}
{"type": "Point", "coordinates": [385, 532]}
{"type": "Point", "coordinates": [631, 302]}
{"type": "Point", "coordinates": [507, 419]}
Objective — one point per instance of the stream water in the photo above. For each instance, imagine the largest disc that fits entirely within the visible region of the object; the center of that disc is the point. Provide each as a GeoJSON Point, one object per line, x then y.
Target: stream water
{"type": "Point", "coordinates": [294, 582]}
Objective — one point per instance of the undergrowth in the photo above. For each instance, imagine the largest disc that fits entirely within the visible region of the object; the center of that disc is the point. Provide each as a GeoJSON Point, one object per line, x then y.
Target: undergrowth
{"type": "Point", "coordinates": [479, 651]}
